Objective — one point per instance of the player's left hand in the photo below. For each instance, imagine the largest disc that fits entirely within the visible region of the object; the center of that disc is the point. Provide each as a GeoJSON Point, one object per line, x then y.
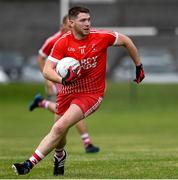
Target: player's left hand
{"type": "Point", "coordinates": [140, 75]}
{"type": "Point", "coordinates": [71, 76]}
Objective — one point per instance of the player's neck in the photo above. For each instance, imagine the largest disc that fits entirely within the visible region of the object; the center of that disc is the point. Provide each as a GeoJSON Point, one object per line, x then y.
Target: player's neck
{"type": "Point", "coordinates": [78, 36]}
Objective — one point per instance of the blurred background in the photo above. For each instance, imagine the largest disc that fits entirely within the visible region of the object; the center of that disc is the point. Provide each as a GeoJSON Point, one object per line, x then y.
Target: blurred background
{"type": "Point", "coordinates": [152, 24]}
{"type": "Point", "coordinates": [136, 127]}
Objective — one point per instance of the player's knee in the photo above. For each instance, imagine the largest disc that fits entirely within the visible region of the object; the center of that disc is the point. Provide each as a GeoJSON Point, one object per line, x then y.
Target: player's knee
{"type": "Point", "coordinates": [59, 128]}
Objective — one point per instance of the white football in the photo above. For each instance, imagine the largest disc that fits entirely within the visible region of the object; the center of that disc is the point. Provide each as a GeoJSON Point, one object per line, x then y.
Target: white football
{"type": "Point", "coordinates": [64, 64]}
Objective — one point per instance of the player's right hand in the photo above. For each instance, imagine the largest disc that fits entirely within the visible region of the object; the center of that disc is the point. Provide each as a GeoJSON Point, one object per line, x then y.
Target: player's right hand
{"type": "Point", "coordinates": [140, 75]}
{"type": "Point", "coordinates": [71, 76]}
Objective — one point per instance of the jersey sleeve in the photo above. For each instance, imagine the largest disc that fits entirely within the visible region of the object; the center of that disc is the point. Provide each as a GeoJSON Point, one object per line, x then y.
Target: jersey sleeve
{"type": "Point", "coordinates": [58, 50]}
{"type": "Point", "coordinates": [46, 48]}
{"type": "Point", "coordinates": [111, 38]}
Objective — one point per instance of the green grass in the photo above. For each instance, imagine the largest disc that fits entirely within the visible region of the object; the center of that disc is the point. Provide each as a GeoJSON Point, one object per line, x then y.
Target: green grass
{"type": "Point", "coordinates": [136, 128]}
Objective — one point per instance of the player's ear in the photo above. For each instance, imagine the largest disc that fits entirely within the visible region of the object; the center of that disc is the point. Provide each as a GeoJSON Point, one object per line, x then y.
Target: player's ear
{"type": "Point", "coordinates": [71, 22]}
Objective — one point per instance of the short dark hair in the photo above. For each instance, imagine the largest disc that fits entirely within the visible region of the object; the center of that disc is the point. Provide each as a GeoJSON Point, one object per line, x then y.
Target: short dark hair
{"type": "Point", "coordinates": [74, 11]}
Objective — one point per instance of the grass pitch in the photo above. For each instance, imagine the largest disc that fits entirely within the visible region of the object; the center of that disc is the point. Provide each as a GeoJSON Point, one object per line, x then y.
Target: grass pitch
{"type": "Point", "coordinates": [136, 128]}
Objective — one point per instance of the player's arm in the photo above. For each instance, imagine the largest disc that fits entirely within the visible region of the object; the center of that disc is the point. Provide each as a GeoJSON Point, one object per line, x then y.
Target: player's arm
{"type": "Point", "coordinates": [133, 52]}
{"type": "Point", "coordinates": [41, 62]}
{"type": "Point", "coordinates": [44, 53]}
{"type": "Point", "coordinates": [129, 45]}
{"type": "Point", "coordinates": [50, 73]}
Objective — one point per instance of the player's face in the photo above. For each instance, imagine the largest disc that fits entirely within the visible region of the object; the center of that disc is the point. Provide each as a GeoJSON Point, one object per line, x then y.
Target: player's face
{"type": "Point", "coordinates": [81, 24]}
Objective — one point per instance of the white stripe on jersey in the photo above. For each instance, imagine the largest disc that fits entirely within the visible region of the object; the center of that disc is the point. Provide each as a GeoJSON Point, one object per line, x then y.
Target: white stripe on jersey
{"type": "Point", "coordinates": [50, 58]}
{"type": "Point", "coordinates": [40, 52]}
{"type": "Point", "coordinates": [94, 107]}
{"type": "Point", "coordinates": [116, 42]}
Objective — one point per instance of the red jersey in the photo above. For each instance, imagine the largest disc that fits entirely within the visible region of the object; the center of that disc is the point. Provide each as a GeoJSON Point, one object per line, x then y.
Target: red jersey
{"type": "Point", "coordinates": [91, 52]}
{"type": "Point", "coordinates": [48, 45]}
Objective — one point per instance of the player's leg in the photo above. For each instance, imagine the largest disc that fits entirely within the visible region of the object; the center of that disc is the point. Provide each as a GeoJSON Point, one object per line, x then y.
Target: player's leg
{"type": "Point", "coordinates": [88, 103]}
{"type": "Point", "coordinates": [83, 131]}
{"type": "Point", "coordinates": [39, 102]}
{"type": "Point", "coordinates": [53, 139]}
{"type": "Point", "coordinates": [59, 154]}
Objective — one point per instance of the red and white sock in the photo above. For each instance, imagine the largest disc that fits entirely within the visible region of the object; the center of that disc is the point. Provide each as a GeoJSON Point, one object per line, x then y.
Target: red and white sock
{"type": "Point", "coordinates": [86, 139]}
{"type": "Point", "coordinates": [36, 157]}
{"type": "Point", "coordinates": [44, 104]}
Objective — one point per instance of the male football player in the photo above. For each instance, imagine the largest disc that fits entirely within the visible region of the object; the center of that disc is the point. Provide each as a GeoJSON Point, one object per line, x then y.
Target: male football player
{"type": "Point", "coordinates": [51, 87]}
